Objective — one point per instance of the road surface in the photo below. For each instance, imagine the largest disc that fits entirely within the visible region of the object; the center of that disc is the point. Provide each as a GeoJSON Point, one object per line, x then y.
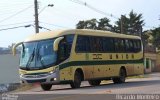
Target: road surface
{"type": "Point", "coordinates": [150, 84]}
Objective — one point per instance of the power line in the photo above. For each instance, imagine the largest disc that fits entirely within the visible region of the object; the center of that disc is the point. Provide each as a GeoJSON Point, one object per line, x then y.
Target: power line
{"type": "Point", "coordinates": [15, 14]}
{"type": "Point", "coordinates": [54, 25]}
{"type": "Point", "coordinates": [16, 23]}
{"type": "Point", "coordinates": [99, 11]}
{"type": "Point", "coordinates": [44, 28]}
{"type": "Point", "coordinates": [15, 27]}
{"type": "Point", "coordinates": [70, 15]}
{"type": "Point", "coordinates": [7, 6]}
{"type": "Point", "coordinates": [93, 8]}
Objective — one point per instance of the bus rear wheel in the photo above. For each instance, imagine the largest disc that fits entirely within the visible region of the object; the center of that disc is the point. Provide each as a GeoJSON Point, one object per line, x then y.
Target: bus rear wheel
{"type": "Point", "coordinates": [77, 80]}
{"type": "Point", "coordinates": [46, 87]}
{"type": "Point", "coordinates": [94, 82]}
{"type": "Point", "coordinates": [121, 78]}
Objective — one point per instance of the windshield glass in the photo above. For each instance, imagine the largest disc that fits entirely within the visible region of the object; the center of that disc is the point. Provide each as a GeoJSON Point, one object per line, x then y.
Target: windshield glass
{"type": "Point", "coordinates": [27, 53]}
{"type": "Point", "coordinates": [38, 55]}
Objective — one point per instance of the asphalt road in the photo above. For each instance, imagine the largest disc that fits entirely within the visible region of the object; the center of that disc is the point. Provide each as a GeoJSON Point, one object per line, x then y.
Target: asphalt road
{"type": "Point", "coordinates": [108, 91]}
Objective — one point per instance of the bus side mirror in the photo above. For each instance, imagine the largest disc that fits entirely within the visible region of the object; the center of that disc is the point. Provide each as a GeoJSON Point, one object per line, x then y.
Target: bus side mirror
{"type": "Point", "coordinates": [56, 42]}
{"type": "Point", "coordinates": [14, 48]}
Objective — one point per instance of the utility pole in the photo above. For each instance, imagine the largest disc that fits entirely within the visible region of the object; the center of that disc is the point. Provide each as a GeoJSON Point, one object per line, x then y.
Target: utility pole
{"type": "Point", "coordinates": [121, 24]}
{"type": "Point", "coordinates": [36, 16]}
{"type": "Point", "coordinates": [141, 31]}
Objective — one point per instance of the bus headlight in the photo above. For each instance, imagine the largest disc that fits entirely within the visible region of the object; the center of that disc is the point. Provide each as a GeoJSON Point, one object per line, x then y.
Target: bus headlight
{"type": "Point", "coordinates": [55, 70]}
{"type": "Point", "coordinates": [51, 72]}
{"type": "Point", "coordinates": [21, 75]}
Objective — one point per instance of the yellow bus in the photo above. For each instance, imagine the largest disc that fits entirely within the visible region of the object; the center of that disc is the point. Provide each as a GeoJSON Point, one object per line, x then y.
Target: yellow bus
{"type": "Point", "coordinates": [72, 56]}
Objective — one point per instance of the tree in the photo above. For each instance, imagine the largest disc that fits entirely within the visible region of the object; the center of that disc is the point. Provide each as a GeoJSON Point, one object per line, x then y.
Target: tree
{"type": "Point", "coordinates": [125, 22]}
{"type": "Point", "coordinates": [88, 24]}
{"type": "Point", "coordinates": [146, 37]}
{"type": "Point", "coordinates": [91, 24]}
{"type": "Point", "coordinates": [126, 25]}
{"type": "Point", "coordinates": [130, 25]}
{"type": "Point", "coordinates": [80, 25]}
{"type": "Point", "coordinates": [104, 24]}
{"type": "Point", "coordinates": [135, 23]}
{"type": "Point", "coordinates": [156, 37]}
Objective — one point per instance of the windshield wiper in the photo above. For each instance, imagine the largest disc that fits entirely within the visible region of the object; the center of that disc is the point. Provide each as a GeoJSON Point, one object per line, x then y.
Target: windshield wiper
{"type": "Point", "coordinates": [40, 58]}
{"type": "Point", "coordinates": [23, 50]}
{"type": "Point", "coordinates": [30, 59]}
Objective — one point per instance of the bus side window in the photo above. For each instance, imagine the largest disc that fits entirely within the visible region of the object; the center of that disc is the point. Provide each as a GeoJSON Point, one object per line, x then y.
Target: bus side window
{"type": "Point", "coordinates": [96, 44]}
{"type": "Point", "coordinates": [69, 42]}
{"type": "Point", "coordinates": [82, 44]}
{"type": "Point", "coordinates": [121, 45]}
{"type": "Point", "coordinates": [137, 45]}
{"type": "Point", "coordinates": [62, 55]}
{"type": "Point", "coordinates": [108, 44]}
{"type": "Point", "coordinates": [127, 45]}
{"type": "Point", "coordinates": [65, 47]}
{"type": "Point", "coordinates": [99, 43]}
{"type": "Point", "coordinates": [92, 44]}
{"type": "Point", "coordinates": [131, 46]}
{"type": "Point", "coordinates": [116, 45]}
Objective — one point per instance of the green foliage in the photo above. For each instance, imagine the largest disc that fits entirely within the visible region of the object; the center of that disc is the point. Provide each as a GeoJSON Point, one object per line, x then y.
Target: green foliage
{"type": "Point", "coordinates": [145, 37]}
{"type": "Point", "coordinates": [102, 24]}
{"type": "Point", "coordinates": [156, 37]}
{"type": "Point", "coordinates": [88, 24]}
{"type": "Point", "coordinates": [125, 23]}
{"type": "Point", "coordinates": [130, 25]}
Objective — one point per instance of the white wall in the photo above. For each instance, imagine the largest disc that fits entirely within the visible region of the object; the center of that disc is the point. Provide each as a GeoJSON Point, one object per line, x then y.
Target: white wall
{"type": "Point", "coordinates": [9, 68]}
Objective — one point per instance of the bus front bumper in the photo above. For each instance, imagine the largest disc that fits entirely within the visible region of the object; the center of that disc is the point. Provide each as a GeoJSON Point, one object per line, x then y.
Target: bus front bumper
{"type": "Point", "coordinates": [47, 78]}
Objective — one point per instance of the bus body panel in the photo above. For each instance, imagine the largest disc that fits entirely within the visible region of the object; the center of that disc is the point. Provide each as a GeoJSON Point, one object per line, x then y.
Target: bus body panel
{"type": "Point", "coordinates": [99, 65]}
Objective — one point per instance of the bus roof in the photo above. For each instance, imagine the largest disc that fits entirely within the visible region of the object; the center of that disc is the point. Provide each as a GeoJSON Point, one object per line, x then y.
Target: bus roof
{"type": "Point", "coordinates": [58, 33]}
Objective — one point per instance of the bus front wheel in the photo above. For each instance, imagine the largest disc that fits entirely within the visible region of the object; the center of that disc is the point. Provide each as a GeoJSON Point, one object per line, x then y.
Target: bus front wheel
{"type": "Point", "coordinates": [77, 80]}
{"type": "Point", "coordinates": [94, 82]}
{"type": "Point", "coordinates": [121, 78]}
{"type": "Point", "coordinates": [46, 87]}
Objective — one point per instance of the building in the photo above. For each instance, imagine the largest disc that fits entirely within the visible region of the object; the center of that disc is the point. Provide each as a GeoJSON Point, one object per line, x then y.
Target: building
{"type": "Point", "coordinates": [150, 59]}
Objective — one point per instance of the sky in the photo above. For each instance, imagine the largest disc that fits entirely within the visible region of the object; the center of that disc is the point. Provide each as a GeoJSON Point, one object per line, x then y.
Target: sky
{"type": "Point", "coordinates": [65, 14]}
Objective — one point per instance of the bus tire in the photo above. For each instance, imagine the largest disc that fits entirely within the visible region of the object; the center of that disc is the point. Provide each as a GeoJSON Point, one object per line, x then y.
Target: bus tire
{"type": "Point", "coordinates": [46, 87]}
{"type": "Point", "coordinates": [77, 80]}
{"type": "Point", "coordinates": [94, 82]}
{"type": "Point", "coordinates": [121, 78]}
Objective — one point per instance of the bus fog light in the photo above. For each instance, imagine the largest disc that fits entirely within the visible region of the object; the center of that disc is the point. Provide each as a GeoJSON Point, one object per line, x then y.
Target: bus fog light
{"type": "Point", "coordinates": [55, 79]}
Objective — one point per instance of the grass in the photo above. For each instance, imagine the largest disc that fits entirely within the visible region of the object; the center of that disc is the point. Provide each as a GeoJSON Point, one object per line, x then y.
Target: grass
{"type": "Point", "coordinates": [24, 87]}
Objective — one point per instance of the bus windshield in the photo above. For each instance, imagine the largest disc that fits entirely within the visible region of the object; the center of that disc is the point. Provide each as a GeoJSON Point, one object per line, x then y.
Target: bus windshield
{"type": "Point", "coordinates": [38, 55]}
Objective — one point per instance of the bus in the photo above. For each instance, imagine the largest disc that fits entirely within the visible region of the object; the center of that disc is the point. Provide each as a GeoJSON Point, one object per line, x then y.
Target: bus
{"type": "Point", "coordinates": [76, 55]}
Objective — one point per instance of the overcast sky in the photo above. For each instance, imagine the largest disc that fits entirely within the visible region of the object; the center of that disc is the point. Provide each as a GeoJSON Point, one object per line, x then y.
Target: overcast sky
{"type": "Point", "coordinates": [66, 14]}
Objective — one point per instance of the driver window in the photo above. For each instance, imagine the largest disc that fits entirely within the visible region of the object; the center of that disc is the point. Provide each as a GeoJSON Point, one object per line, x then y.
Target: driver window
{"type": "Point", "coordinates": [65, 47]}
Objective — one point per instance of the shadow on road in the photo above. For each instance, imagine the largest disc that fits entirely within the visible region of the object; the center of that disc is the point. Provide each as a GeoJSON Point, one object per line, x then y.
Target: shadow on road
{"type": "Point", "coordinates": [130, 84]}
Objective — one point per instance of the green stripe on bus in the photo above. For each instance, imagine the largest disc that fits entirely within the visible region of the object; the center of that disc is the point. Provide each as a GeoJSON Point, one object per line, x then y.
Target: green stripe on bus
{"type": "Point", "coordinates": [102, 62]}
